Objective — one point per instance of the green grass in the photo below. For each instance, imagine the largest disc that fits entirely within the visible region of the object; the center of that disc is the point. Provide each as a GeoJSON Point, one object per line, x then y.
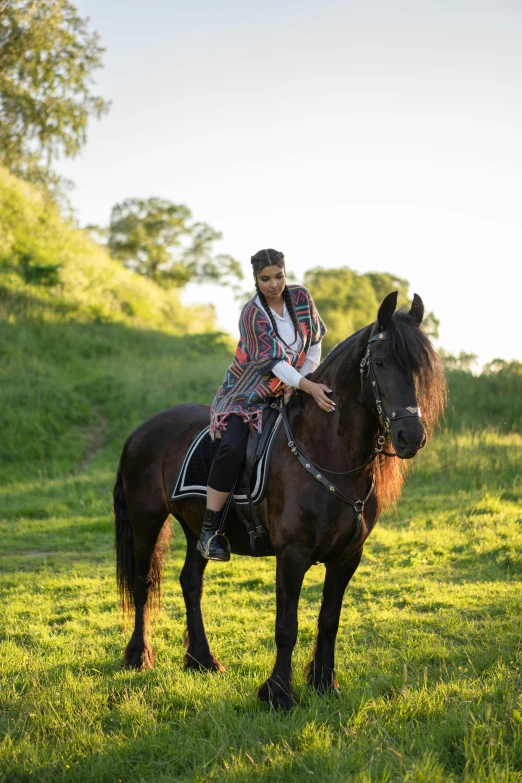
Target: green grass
{"type": "Point", "coordinates": [85, 284]}
{"type": "Point", "coordinates": [428, 655]}
{"type": "Point", "coordinates": [61, 383]}
{"type": "Point", "coordinates": [91, 355]}
{"type": "Point", "coordinates": [487, 400]}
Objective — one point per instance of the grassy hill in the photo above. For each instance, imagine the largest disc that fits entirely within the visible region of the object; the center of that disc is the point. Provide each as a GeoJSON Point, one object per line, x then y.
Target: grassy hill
{"type": "Point", "coordinates": [85, 345]}
{"type": "Point", "coordinates": [429, 656]}
{"type": "Point", "coordinates": [37, 247]}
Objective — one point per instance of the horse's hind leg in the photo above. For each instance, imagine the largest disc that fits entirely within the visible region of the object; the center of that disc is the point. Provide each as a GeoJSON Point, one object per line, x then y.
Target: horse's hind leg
{"type": "Point", "coordinates": [320, 670]}
{"type": "Point", "coordinates": [198, 654]}
{"type": "Point", "coordinates": [149, 541]}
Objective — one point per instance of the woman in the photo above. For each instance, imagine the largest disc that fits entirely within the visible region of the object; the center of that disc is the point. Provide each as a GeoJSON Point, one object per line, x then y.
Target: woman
{"type": "Point", "coordinates": [280, 342]}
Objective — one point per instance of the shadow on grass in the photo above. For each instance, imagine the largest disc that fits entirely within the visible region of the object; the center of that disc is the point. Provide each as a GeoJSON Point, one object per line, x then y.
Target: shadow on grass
{"type": "Point", "coordinates": [245, 742]}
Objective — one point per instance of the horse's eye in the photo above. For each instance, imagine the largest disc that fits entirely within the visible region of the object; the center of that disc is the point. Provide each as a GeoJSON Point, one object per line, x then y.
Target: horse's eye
{"type": "Point", "coordinates": [378, 362]}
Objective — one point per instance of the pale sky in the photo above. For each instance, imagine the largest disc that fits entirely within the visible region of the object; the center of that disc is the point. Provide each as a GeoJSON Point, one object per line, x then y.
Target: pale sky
{"type": "Point", "coordinates": [382, 136]}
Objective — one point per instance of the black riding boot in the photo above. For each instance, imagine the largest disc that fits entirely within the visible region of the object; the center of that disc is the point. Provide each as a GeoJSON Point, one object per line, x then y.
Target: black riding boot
{"type": "Point", "coordinates": [211, 544]}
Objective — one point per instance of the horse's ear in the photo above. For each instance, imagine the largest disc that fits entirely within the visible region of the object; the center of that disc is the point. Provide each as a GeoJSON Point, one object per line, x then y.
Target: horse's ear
{"type": "Point", "coordinates": [417, 310]}
{"type": "Point", "coordinates": [386, 310]}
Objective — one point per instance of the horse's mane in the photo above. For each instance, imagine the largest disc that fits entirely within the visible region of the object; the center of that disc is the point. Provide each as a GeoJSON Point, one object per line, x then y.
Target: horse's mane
{"type": "Point", "coordinates": [340, 348]}
{"type": "Point", "coordinates": [412, 350]}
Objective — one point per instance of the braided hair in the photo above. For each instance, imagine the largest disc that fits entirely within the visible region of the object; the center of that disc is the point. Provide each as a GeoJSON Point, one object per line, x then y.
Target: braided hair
{"type": "Point", "coordinates": [259, 261]}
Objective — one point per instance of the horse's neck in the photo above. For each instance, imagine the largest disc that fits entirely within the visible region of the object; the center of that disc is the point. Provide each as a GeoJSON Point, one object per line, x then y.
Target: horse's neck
{"type": "Point", "coordinates": [340, 440]}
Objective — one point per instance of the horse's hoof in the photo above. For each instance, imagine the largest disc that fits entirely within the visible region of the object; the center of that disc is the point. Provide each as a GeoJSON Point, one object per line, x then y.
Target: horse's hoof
{"type": "Point", "coordinates": [139, 656]}
{"type": "Point", "coordinates": [203, 663]}
{"type": "Point", "coordinates": [329, 689]}
{"type": "Point", "coordinates": [326, 687]}
{"type": "Point", "coordinates": [279, 697]}
{"type": "Point", "coordinates": [323, 681]}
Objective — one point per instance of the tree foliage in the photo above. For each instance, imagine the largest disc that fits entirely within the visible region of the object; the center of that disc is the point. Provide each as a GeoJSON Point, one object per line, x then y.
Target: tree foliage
{"type": "Point", "coordinates": [52, 273]}
{"type": "Point", "coordinates": [462, 362]}
{"type": "Point", "coordinates": [503, 367]}
{"type": "Point", "coordinates": [156, 238]}
{"type": "Point", "coordinates": [348, 301]}
{"type": "Point", "coordinates": [47, 58]}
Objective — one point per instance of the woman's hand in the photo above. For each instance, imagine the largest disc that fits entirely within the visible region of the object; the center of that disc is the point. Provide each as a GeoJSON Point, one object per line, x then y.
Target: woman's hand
{"type": "Point", "coordinates": [282, 389]}
{"type": "Point", "coordinates": [285, 391]}
{"type": "Point", "coordinates": [319, 392]}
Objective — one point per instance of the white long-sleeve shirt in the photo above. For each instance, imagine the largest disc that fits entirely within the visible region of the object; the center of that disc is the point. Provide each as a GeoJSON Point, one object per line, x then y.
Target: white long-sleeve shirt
{"type": "Point", "coordinates": [284, 370]}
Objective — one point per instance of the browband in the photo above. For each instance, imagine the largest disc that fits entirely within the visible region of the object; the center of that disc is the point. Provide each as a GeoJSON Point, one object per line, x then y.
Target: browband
{"type": "Point", "coordinates": [378, 336]}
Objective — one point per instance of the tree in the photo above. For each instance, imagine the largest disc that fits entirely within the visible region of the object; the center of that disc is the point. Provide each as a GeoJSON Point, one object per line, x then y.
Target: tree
{"type": "Point", "coordinates": [503, 367]}
{"type": "Point", "coordinates": [348, 301]}
{"type": "Point", "coordinates": [383, 283]}
{"type": "Point", "coordinates": [155, 238]}
{"type": "Point", "coordinates": [47, 58]}
{"type": "Point", "coordinates": [462, 362]}
{"type": "Point", "coordinates": [430, 325]}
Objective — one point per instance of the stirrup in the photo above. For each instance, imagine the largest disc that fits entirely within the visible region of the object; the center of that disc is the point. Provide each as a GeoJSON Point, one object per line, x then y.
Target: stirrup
{"type": "Point", "coordinates": [208, 555]}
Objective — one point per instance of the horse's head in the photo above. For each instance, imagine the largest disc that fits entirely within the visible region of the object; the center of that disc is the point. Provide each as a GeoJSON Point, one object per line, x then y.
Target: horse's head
{"type": "Point", "coordinates": [396, 370]}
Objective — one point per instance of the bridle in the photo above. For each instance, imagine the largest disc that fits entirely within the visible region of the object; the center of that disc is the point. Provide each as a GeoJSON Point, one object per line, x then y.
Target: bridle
{"type": "Point", "coordinates": [367, 371]}
{"type": "Point", "coordinates": [384, 418]}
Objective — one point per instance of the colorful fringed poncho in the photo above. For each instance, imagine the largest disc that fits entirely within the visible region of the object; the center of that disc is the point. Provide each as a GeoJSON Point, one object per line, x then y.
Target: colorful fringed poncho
{"type": "Point", "coordinates": [249, 384]}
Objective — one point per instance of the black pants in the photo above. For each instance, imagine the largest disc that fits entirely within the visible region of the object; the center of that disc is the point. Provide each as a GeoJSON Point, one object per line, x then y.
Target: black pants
{"type": "Point", "coordinates": [230, 455]}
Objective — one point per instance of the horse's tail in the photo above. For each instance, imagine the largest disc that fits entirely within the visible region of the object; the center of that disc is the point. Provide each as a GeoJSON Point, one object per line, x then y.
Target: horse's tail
{"type": "Point", "coordinates": [124, 545]}
{"type": "Point", "coordinates": [125, 566]}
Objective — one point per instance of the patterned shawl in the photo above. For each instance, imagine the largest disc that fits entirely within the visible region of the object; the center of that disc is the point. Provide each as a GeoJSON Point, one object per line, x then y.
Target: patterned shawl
{"type": "Point", "coordinates": [249, 384]}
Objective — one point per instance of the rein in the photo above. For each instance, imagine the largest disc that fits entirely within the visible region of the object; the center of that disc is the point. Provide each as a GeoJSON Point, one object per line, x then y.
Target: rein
{"type": "Point", "coordinates": [311, 467]}
{"type": "Point", "coordinates": [384, 423]}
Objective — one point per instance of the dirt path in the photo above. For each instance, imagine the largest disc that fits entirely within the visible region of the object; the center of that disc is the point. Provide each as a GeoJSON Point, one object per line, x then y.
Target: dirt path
{"type": "Point", "coordinates": [95, 439]}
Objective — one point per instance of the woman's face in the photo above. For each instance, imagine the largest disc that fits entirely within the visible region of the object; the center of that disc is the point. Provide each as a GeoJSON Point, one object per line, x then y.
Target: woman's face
{"type": "Point", "coordinates": [271, 281]}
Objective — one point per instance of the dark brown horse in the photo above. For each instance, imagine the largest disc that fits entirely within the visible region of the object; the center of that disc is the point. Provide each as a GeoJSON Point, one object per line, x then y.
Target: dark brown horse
{"type": "Point", "coordinates": [306, 523]}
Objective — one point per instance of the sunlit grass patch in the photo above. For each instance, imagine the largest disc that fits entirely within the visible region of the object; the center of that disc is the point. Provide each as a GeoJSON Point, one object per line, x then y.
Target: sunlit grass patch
{"type": "Point", "coordinates": [428, 653]}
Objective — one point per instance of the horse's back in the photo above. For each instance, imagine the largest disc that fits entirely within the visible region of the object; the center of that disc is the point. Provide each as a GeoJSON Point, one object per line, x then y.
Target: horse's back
{"type": "Point", "coordinates": [154, 451]}
{"type": "Point", "coordinates": [167, 425]}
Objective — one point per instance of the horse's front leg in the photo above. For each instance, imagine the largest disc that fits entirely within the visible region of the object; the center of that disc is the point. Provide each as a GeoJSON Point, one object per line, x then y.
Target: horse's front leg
{"type": "Point", "coordinates": [198, 655]}
{"type": "Point", "coordinates": [291, 568]}
{"type": "Point", "coordinates": [320, 670]}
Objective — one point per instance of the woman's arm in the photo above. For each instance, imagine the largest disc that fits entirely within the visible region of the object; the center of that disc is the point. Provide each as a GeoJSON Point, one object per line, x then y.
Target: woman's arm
{"type": "Point", "coordinates": [292, 377]}
{"type": "Point", "coordinates": [289, 375]}
{"type": "Point", "coordinates": [313, 359]}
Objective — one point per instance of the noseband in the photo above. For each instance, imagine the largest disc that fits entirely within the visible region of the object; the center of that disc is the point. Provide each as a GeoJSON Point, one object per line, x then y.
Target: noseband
{"type": "Point", "coordinates": [384, 418]}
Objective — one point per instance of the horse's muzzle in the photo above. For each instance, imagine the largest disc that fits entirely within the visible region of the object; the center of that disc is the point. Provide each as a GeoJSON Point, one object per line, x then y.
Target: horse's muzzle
{"type": "Point", "coordinates": [408, 437]}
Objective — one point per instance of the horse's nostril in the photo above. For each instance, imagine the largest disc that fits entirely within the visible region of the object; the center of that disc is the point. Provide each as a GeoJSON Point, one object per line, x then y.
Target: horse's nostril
{"type": "Point", "coordinates": [401, 439]}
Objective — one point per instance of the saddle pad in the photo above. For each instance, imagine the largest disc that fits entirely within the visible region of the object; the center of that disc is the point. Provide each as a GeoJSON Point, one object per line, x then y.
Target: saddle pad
{"type": "Point", "coordinates": [193, 476]}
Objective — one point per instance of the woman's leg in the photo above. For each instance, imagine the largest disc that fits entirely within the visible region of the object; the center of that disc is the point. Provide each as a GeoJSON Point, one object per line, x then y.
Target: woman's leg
{"type": "Point", "coordinates": [227, 462]}
{"type": "Point", "coordinates": [226, 465]}
{"type": "Point", "coordinates": [216, 500]}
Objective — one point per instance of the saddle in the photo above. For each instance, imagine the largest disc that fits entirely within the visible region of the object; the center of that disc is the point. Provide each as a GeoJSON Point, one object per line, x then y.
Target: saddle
{"type": "Point", "coordinates": [250, 487]}
{"type": "Point", "coordinates": [193, 476]}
